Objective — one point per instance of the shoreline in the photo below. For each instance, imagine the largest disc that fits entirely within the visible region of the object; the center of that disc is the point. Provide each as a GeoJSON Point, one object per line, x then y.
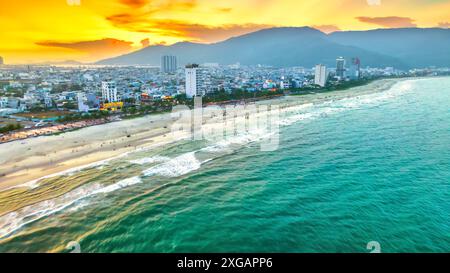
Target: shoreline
{"type": "Point", "coordinates": [57, 129]}
{"type": "Point", "coordinates": [23, 163]}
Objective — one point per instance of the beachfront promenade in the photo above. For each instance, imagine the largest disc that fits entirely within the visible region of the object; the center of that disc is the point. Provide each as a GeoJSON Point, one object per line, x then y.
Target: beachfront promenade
{"type": "Point", "coordinates": [49, 130]}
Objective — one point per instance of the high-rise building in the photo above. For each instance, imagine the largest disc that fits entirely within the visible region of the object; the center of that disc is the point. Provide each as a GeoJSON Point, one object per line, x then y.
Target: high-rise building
{"type": "Point", "coordinates": [1, 60]}
{"type": "Point", "coordinates": [197, 81]}
{"type": "Point", "coordinates": [340, 68]}
{"type": "Point", "coordinates": [168, 64]}
{"type": "Point", "coordinates": [109, 92]}
{"type": "Point", "coordinates": [192, 84]}
{"type": "Point", "coordinates": [320, 77]}
{"type": "Point", "coordinates": [355, 69]}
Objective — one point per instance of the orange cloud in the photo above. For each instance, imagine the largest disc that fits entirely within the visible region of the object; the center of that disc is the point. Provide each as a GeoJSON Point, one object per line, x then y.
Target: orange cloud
{"type": "Point", "coordinates": [152, 6]}
{"type": "Point", "coordinates": [31, 21]}
{"type": "Point", "coordinates": [145, 42]}
{"type": "Point", "coordinates": [327, 28]}
{"type": "Point", "coordinates": [390, 21]}
{"type": "Point", "coordinates": [202, 33]}
{"type": "Point", "coordinates": [135, 3]}
{"type": "Point", "coordinates": [96, 49]}
{"type": "Point", "coordinates": [181, 29]}
{"type": "Point", "coordinates": [159, 18]}
{"type": "Point", "coordinates": [444, 25]}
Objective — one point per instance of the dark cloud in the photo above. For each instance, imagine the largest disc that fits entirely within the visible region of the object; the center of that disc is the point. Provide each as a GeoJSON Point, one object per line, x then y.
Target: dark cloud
{"type": "Point", "coordinates": [97, 49]}
{"type": "Point", "coordinates": [390, 21]}
{"type": "Point", "coordinates": [327, 28]}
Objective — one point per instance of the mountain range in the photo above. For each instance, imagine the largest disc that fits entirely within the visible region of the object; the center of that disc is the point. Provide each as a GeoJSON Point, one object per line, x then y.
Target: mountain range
{"type": "Point", "coordinates": [304, 46]}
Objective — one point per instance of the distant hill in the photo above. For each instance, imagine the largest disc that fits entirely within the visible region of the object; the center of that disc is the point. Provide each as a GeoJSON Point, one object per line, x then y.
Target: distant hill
{"type": "Point", "coordinates": [415, 47]}
{"type": "Point", "coordinates": [304, 46]}
{"type": "Point", "coordinates": [67, 62]}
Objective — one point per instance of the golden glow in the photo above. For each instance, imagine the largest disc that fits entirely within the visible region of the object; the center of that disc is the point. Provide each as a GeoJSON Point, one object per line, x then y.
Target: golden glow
{"type": "Point", "coordinates": [59, 30]}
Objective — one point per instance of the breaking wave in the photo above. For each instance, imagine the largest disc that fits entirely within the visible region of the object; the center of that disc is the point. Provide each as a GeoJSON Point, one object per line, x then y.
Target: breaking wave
{"type": "Point", "coordinates": [15, 220]}
{"type": "Point", "coordinates": [150, 160]}
{"type": "Point", "coordinates": [175, 167]}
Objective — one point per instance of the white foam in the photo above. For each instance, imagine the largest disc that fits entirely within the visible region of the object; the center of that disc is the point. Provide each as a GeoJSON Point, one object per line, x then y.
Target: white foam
{"type": "Point", "coordinates": [241, 139]}
{"type": "Point", "coordinates": [119, 185]}
{"type": "Point", "coordinates": [150, 160]}
{"type": "Point", "coordinates": [175, 167]}
{"type": "Point", "coordinates": [336, 106]}
{"type": "Point", "coordinates": [295, 118]}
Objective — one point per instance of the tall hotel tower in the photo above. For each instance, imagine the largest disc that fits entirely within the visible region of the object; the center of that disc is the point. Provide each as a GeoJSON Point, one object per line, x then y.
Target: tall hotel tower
{"type": "Point", "coordinates": [192, 80]}
{"type": "Point", "coordinates": [340, 68]}
{"type": "Point", "coordinates": [320, 75]}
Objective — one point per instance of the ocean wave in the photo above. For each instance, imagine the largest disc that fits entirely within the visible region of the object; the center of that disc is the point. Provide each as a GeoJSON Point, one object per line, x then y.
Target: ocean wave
{"type": "Point", "coordinates": [334, 106]}
{"type": "Point", "coordinates": [119, 185]}
{"type": "Point", "coordinates": [175, 167]}
{"type": "Point", "coordinates": [98, 165]}
{"type": "Point", "coordinates": [13, 221]}
{"type": "Point", "coordinates": [225, 144]}
{"type": "Point", "coordinates": [295, 118]}
{"type": "Point", "coordinates": [150, 160]}
{"type": "Point", "coordinates": [35, 183]}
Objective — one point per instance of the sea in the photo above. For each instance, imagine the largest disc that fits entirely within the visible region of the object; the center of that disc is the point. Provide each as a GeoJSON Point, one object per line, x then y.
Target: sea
{"type": "Point", "coordinates": [350, 174]}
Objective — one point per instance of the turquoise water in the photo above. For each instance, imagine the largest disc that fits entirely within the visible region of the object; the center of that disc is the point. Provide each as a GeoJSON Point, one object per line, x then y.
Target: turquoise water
{"type": "Point", "coordinates": [350, 171]}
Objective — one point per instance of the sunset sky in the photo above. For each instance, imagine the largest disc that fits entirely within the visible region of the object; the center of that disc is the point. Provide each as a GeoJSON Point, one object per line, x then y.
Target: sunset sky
{"type": "Point", "coordinates": [55, 30]}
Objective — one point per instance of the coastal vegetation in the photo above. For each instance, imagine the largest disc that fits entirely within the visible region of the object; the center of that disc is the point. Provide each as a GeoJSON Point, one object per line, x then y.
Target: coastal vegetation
{"type": "Point", "coordinates": [336, 86]}
{"type": "Point", "coordinates": [235, 95]}
{"type": "Point", "coordinates": [42, 114]}
{"type": "Point", "coordinates": [10, 127]}
{"type": "Point", "coordinates": [83, 116]}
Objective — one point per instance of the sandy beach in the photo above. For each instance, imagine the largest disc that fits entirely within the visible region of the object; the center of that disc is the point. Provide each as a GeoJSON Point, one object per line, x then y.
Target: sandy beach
{"type": "Point", "coordinates": [24, 162]}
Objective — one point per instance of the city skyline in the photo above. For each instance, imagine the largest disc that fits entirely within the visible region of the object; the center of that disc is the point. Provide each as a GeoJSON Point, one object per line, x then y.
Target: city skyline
{"type": "Point", "coordinates": [87, 31]}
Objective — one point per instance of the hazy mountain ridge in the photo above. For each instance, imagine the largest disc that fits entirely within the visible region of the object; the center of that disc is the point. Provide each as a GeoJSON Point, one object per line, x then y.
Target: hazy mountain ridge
{"type": "Point", "coordinates": [304, 46]}
{"type": "Point", "coordinates": [416, 47]}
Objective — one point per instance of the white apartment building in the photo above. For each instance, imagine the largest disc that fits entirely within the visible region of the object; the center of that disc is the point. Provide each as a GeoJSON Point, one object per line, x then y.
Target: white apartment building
{"type": "Point", "coordinates": [197, 81]}
{"type": "Point", "coordinates": [320, 77]}
{"type": "Point", "coordinates": [109, 91]}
